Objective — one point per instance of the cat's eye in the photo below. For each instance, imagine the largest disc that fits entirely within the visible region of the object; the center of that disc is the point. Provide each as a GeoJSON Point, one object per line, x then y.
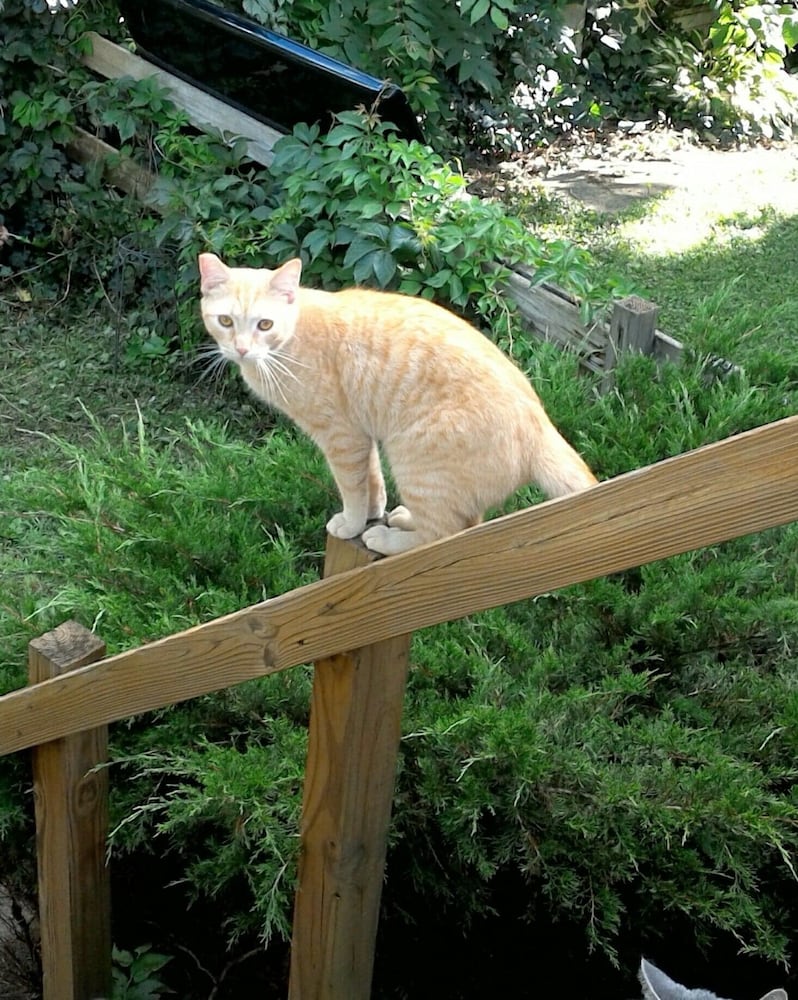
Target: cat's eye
{"type": "Point", "coordinates": [265, 324]}
{"type": "Point", "coordinates": [226, 321]}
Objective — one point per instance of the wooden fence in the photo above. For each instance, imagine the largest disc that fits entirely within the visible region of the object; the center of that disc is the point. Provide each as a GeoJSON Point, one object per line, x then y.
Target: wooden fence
{"type": "Point", "coordinates": [355, 625]}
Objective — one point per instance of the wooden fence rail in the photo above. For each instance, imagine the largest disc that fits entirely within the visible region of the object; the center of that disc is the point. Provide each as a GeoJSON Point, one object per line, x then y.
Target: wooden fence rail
{"type": "Point", "coordinates": [357, 623]}
{"type": "Point", "coordinates": [734, 487]}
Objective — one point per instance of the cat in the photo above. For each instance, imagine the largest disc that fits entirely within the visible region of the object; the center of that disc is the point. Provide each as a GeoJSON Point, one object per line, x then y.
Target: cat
{"type": "Point", "coordinates": [658, 986]}
{"type": "Point", "coordinates": [459, 424]}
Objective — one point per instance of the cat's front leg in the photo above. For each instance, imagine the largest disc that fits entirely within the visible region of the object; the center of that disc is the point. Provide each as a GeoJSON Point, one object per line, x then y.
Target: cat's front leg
{"type": "Point", "coordinates": [346, 524]}
{"type": "Point", "coordinates": [378, 496]}
{"type": "Point", "coordinates": [351, 462]}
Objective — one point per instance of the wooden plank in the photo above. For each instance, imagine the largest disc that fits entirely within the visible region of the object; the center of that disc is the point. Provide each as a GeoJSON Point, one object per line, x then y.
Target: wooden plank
{"type": "Point", "coordinates": [119, 171]}
{"type": "Point", "coordinates": [71, 800]}
{"type": "Point", "coordinates": [203, 110]}
{"type": "Point", "coordinates": [727, 489]}
{"type": "Point", "coordinates": [554, 315]}
{"type": "Point", "coordinates": [355, 729]}
{"type": "Point", "coordinates": [632, 328]}
{"type": "Point", "coordinates": [633, 323]}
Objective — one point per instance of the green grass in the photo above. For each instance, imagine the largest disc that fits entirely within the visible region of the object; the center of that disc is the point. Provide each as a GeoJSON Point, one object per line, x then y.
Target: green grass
{"type": "Point", "coordinates": [729, 293]}
{"type": "Point", "coordinates": [617, 756]}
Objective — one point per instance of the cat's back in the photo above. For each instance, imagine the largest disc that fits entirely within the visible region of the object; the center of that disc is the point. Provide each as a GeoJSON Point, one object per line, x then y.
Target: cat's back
{"type": "Point", "coordinates": [400, 330]}
{"type": "Point", "coordinates": [367, 312]}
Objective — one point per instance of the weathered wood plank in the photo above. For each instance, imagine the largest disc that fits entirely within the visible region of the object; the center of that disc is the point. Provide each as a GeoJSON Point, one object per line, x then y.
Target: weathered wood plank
{"type": "Point", "coordinates": [119, 171]}
{"type": "Point", "coordinates": [355, 728]}
{"type": "Point", "coordinates": [554, 315]}
{"type": "Point", "coordinates": [632, 328]}
{"type": "Point", "coordinates": [734, 487]}
{"type": "Point", "coordinates": [203, 110]}
{"type": "Point", "coordinates": [71, 800]}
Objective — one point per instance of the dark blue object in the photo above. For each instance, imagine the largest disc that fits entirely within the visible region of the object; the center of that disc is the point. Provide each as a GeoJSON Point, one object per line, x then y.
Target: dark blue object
{"type": "Point", "coordinates": [276, 80]}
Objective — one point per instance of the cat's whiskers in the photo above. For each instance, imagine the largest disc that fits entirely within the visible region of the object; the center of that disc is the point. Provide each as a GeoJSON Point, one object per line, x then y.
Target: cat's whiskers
{"type": "Point", "coordinates": [269, 378]}
{"type": "Point", "coordinates": [213, 363]}
{"type": "Point", "coordinates": [277, 360]}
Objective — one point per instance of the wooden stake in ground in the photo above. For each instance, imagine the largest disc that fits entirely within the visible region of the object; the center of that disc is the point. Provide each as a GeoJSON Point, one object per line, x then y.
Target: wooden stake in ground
{"type": "Point", "coordinates": [355, 720]}
{"type": "Point", "coordinates": [71, 796]}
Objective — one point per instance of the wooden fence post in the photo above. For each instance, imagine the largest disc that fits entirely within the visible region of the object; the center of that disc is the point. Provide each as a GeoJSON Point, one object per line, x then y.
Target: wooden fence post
{"type": "Point", "coordinates": [71, 800]}
{"type": "Point", "coordinates": [632, 328]}
{"type": "Point", "coordinates": [355, 728]}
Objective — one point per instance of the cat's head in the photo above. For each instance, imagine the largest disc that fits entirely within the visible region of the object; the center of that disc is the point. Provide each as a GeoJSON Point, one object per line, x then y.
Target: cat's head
{"type": "Point", "coordinates": [251, 313]}
{"type": "Point", "coordinates": [658, 986]}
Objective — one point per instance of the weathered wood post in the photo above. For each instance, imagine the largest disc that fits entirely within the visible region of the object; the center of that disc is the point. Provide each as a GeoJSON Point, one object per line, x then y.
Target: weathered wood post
{"type": "Point", "coordinates": [355, 728]}
{"type": "Point", "coordinates": [71, 801]}
{"type": "Point", "coordinates": [632, 328]}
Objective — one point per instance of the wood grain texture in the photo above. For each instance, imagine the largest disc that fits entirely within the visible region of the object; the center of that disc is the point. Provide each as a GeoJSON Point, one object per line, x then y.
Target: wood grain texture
{"type": "Point", "coordinates": [554, 315]}
{"type": "Point", "coordinates": [355, 728]}
{"type": "Point", "coordinates": [632, 328]}
{"type": "Point", "coordinates": [203, 110]}
{"type": "Point", "coordinates": [734, 487]}
{"type": "Point", "coordinates": [71, 800]}
{"type": "Point", "coordinates": [119, 171]}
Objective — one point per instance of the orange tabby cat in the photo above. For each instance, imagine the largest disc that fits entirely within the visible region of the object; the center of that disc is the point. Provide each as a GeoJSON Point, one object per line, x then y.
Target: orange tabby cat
{"type": "Point", "coordinates": [460, 425]}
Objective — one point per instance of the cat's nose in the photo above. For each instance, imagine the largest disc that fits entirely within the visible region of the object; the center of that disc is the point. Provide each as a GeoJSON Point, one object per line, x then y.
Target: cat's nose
{"type": "Point", "coordinates": [243, 351]}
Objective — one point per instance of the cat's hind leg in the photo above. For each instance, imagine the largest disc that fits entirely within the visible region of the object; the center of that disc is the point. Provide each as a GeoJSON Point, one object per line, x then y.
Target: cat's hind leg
{"type": "Point", "coordinates": [400, 517]}
{"type": "Point", "coordinates": [392, 538]}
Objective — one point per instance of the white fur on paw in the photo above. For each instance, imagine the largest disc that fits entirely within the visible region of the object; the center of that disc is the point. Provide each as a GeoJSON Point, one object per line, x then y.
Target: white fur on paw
{"type": "Point", "coordinates": [341, 526]}
{"type": "Point", "coordinates": [400, 517]}
{"type": "Point", "coordinates": [376, 537]}
{"type": "Point", "coordinates": [388, 541]}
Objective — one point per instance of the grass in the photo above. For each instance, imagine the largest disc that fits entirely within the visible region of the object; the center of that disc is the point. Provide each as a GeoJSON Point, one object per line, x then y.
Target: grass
{"type": "Point", "coordinates": [611, 753]}
{"type": "Point", "coordinates": [727, 294]}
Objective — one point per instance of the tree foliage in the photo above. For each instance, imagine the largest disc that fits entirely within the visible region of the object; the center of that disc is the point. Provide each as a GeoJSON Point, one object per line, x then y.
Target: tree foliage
{"type": "Point", "coordinates": [506, 73]}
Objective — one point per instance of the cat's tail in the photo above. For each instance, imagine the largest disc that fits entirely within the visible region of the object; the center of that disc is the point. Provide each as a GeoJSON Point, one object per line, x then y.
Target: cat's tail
{"type": "Point", "coordinates": [557, 468]}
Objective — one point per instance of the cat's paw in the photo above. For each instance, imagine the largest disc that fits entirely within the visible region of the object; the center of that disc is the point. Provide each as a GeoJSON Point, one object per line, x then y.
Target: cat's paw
{"type": "Point", "coordinates": [342, 526]}
{"type": "Point", "coordinates": [388, 541]}
{"type": "Point", "coordinates": [400, 517]}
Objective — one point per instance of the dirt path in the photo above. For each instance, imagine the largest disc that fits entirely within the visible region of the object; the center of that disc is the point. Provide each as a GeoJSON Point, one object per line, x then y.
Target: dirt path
{"type": "Point", "coordinates": [683, 186]}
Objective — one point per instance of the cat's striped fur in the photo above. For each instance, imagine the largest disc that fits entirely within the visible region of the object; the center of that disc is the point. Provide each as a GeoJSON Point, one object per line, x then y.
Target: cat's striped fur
{"type": "Point", "coordinates": [457, 421]}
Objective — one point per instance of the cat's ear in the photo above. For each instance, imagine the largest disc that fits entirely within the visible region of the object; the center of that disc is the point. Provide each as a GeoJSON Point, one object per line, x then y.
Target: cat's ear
{"type": "Point", "coordinates": [285, 280]}
{"type": "Point", "coordinates": [656, 985]}
{"type": "Point", "coordinates": [213, 272]}
{"type": "Point", "coordinates": [775, 995]}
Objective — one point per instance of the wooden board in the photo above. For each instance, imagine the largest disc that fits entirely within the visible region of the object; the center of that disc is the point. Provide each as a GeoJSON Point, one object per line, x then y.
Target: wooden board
{"type": "Point", "coordinates": [118, 171]}
{"type": "Point", "coordinates": [554, 315]}
{"type": "Point", "coordinates": [204, 111]}
{"type": "Point", "coordinates": [71, 799]}
{"type": "Point", "coordinates": [353, 744]}
{"type": "Point", "coordinates": [734, 487]}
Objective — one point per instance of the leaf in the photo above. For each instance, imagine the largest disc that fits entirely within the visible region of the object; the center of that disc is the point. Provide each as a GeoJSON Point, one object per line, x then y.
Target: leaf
{"type": "Point", "coordinates": [479, 10]}
{"type": "Point", "coordinates": [390, 36]}
{"type": "Point", "coordinates": [339, 134]}
{"type": "Point", "coordinates": [384, 267]}
{"type": "Point", "coordinates": [499, 18]}
{"type": "Point", "coordinates": [357, 250]}
{"type": "Point", "coordinates": [316, 241]}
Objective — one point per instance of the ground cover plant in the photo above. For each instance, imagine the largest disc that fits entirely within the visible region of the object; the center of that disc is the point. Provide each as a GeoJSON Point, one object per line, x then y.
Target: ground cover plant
{"type": "Point", "coordinates": [602, 771]}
